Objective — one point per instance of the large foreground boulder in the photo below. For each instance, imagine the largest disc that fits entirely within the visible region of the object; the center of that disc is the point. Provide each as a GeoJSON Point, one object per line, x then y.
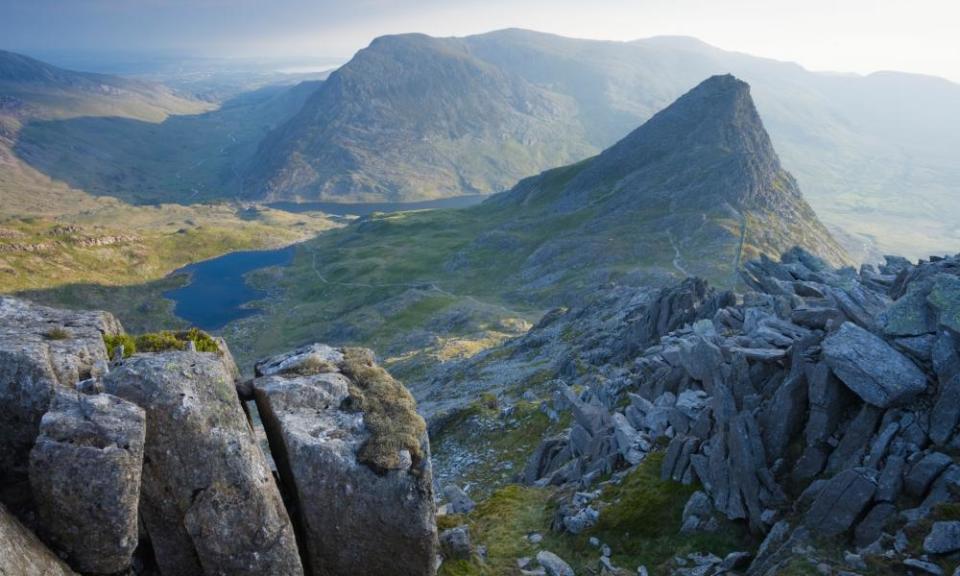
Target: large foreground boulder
{"type": "Point", "coordinates": [354, 456]}
{"type": "Point", "coordinates": [208, 500]}
{"type": "Point", "coordinates": [870, 367]}
{"type": "Point", "coordinates": [41, 349]}
{"type": "Point", "coordinates": [85, 476]}
{"type": "Point", "coordinates": [23, 554]}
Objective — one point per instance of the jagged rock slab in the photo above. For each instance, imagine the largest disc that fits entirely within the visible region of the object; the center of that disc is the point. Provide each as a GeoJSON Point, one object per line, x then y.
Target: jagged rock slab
{"type": "Point", "coordinates": [870, 367]}
{"type": "Point", "coordinates": [23, 554]}
{"type": "Point", "coordinates": [41, 350]}
{"type": "Point", "coordinates": [352, 517]}
{"type": "Point", "coordinates": [840, 502]}
{"type": "Point", "coordinates": [85, 475]}
{"type": "Point", "coordinates": [208, 499]}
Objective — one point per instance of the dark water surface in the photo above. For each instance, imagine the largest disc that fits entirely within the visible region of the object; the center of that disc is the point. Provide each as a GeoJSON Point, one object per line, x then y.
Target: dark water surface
{"type": "Point", "coordinates": [217, 289]}
{"type": "Point", "coordinates": [346, 209]}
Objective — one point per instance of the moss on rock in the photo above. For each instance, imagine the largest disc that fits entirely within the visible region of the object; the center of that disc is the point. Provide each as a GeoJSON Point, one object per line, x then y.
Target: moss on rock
{"type": "Point", "coordinates": [390, 412]}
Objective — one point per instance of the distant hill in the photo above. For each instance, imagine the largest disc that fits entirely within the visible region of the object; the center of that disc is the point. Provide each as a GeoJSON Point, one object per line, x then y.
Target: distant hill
{"type": "Point", "coordinates": [413, 117]}
{"type": "Point", "coordinates": [76, 134]}
{"type": "Point", "coordinates": [691, 192]}
{"type": "Point", "coordinates": [33, 92]}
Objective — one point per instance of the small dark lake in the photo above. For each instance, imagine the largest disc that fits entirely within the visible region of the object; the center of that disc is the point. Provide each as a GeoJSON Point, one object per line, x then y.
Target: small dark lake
{"type": "Point", "coordinates": [217, 290]}
{"type": "Point", "coordinates": [347, 209]}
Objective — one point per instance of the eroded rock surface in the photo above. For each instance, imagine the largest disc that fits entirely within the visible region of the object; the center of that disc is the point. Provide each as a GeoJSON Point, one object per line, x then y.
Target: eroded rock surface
{"type": "Point", "coordinates": [41, 350]}
{"type": "Point", "coordinates": [362, 492]}
{"type": "Point", "coordinates": [23, 554]}
{"type": "Point", "coordinates": [208, 500]}
{"type": "Point", "coordinates": [85, 475]}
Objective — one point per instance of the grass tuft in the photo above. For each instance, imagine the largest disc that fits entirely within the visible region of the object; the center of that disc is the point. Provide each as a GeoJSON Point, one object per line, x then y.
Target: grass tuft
{"type": "Point", "coordinates": [390, 412]}
{"type": "Point", "coordinates": [164, 341]}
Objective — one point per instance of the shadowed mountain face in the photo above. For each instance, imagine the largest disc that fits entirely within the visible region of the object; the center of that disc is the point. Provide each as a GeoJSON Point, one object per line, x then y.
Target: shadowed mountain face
{"type": "Point", "coordinates": [414, 117]}
{"type": "Point", "coordinates": [857, 144]}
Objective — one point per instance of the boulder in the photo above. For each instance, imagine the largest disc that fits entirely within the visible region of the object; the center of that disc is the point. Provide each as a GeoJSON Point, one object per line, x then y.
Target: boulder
{"type": "Point", "coordinates": [208, 499]}
{"type": "Point", "coordinates": [944, 538]}
{"type": "Point", "coordinates": [840, 502]}
{"type": "Point", "coordinates": [350, 448]}
{"type": "Point", "coordinates": [85, 475]}
{"type": "Point", "coordinates": [455, 543]}
{"type": "Point", "coordinates": [41, 350]}
{"type": "Point", "coordinates": [460, 503]}
{"type": "Point", "coordinates": [23, 554]}
{"type": "Point", "coordinates": [946, 411]}
{"type": "Point", "coordinates": [924, 472]}
{"type": "Point", "coordinates": [870, 367]}
{"type": "Point", "coordinates": [553, 565]}
{"type": "Point", "coordinates": [945, 299]}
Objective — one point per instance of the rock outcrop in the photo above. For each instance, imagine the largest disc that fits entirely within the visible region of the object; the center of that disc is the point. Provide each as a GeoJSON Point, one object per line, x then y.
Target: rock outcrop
{"type": "Point", "coordinates": [85, 476]}
{"type": "Point", "coordinates": [354, 456]}
{"type": "Point", "coordinates": [151, 465]}
{"type": "Point", "coordinates": [824, 404]}
{"type": "Point", "coordinates": [208, 500]}
{"type": "Point", "coordinates": [41, 350]}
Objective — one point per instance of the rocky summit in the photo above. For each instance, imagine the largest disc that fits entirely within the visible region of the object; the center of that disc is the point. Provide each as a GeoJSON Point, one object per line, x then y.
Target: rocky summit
{"type": "Point", "coordinates": [150, 463]}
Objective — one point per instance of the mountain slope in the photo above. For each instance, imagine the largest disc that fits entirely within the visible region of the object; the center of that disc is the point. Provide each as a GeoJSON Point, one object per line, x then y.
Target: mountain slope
{"type": "Point", "coordinates": [416, 117]}
{"type": "Point", "coordinates": [32, 91]}
{"type": "Point", "coordinates": [668, 200]}
{"type": "Point", "coordinates": [858, 145]}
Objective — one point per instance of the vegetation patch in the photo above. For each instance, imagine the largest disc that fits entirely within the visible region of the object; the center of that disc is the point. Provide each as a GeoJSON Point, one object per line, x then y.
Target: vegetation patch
{"type": "Point", "coordinates": [57, 333]}
{"type": "Point", "coordinates": [164, 341]}
{"type": "Point", "coordinates": [389, 410]}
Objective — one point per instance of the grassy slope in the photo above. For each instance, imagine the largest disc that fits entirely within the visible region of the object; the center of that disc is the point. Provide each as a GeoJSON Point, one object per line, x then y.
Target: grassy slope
{"type": "Point", "coordinates": [639, 519]}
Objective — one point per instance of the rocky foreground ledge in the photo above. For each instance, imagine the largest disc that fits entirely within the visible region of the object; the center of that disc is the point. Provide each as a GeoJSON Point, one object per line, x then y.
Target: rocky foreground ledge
{"type": "Point", "coordinates": [150, 465]}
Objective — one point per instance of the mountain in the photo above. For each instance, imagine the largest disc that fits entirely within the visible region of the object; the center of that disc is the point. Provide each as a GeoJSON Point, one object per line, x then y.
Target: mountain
{"type": "Point", "coordinates": [694, 190]}
{"type": "Point", "coordinates": [414, 117]}
{"type": "Point", "coordinates": [857, 144]}
{"type": "Point", "coordinates": [65, 133]}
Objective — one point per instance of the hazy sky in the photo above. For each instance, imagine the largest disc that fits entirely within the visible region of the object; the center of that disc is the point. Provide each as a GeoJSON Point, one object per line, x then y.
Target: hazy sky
{"type": "Point", "coordinates": [842, 35]}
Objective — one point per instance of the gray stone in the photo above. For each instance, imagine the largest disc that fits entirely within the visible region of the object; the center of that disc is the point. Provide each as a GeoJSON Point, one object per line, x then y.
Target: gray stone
{"type": "Point", "coordinates": [455, 543]}
{"type": "Point", "coordinates": [924, 472]}
{"type": "Point", "coordinates": [890, 483]}
{"type": "Point", "coordinates": [85, 475]}
{"type": "Point", "coordinates": [870, 367]}
{"type": "Point", "coordinates": [945, 299]}
{"type": "Point", "coordinates": [553, 564]}
{"type": "Point", "coordinates": [41, 350]}
{"type": "Point", "coordinates": [855, 439]}
{"type": "Point", "coordinates": [460, 503]}
{"type": "Point", "coordinates": [208, 499]}
{"type": "Point", "coordinates": [909, 315]}
{"type": "Point", "coordinates": [353, 517]}
{"type": "Point", "coordinates": [928, 567]}
{"type": "Point", "coordinates": [871, 527]}
{"type": "Point", "coordinates": [581, 520]}
{"type": "Point", "coordinates": [23, 554]}
{"type": "Point", "coordinates": [946, 411]}
{"type": "Point", "coordinates": [944, 538]}
{"type": "Point", "coordinates": [840, 502]}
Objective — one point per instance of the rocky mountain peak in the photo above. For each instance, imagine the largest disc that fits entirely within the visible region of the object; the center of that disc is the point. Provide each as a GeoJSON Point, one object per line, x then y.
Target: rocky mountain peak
{"type": "Point", "coordinates": [710, 143]}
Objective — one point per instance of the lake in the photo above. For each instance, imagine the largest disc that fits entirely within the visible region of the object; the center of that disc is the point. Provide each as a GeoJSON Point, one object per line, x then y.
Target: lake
{"type": "Point", "coordinates": [348, 209]}
{"type": "Point", "coordinates": [217, 290]}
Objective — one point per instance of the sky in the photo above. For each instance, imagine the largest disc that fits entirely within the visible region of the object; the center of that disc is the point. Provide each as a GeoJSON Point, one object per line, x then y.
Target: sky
{"type": "Point", "coordinates": [838, 35]}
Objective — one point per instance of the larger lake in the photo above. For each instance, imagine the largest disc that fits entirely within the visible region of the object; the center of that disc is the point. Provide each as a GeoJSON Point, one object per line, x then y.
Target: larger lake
{"type": "Point", "coordinates": [217, 290]}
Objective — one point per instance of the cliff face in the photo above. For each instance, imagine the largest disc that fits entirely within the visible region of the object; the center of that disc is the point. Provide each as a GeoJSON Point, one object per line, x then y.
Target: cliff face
{"type": "Point", "coordinates": [164, 440]}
